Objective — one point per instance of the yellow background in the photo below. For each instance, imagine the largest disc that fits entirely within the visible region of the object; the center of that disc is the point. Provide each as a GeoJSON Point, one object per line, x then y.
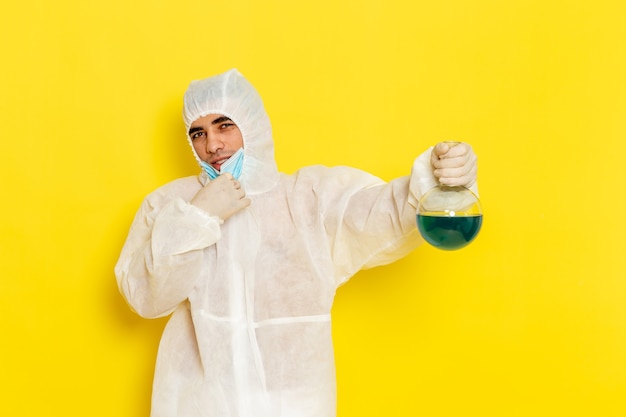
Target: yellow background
{"type": "Point", "coordinates": [529, 320]}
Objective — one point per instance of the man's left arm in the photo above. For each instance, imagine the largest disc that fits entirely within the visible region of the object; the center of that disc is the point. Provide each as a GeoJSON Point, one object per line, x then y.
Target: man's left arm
{"type": "Point", "coordinates": [378, 224]}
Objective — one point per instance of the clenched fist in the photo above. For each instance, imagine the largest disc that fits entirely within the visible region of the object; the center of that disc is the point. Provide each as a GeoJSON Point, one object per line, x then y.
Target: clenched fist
{"type": "Point", "coordinates": [221, 197]}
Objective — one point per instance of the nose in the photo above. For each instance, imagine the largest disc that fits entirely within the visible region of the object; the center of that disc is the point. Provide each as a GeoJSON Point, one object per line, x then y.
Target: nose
{"type": "Point", "coordinates": [213, 143]}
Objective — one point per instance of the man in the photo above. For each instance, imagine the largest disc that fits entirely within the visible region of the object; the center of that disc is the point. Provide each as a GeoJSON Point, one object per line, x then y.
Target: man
{"type": "Point", "coordinates": [247, 262]}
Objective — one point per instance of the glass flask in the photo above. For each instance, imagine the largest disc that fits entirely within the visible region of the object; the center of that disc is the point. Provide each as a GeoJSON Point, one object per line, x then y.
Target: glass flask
{"type": "Point", "coordinates": [449, 217]}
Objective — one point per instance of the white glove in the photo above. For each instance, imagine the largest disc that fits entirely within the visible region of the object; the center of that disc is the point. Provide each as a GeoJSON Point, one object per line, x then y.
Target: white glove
{"type": "Point", "coordinates": [221, 197]}
{"type": "Point", "coordinates": [454, 163]}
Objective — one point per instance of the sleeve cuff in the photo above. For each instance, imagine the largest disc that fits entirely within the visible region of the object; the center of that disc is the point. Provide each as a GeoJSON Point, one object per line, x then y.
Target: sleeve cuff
{"type": "Point", "coordinates": [182, 227]}
{"type": "Point", "coordinates": [422, 178]}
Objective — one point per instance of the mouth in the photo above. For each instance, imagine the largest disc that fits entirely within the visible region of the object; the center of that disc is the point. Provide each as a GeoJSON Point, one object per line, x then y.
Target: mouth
{"type": "Point", "coordinates": [218, 162]}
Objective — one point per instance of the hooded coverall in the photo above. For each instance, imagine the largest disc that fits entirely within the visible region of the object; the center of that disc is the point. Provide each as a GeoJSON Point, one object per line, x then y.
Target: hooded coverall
{"type": "Point", "coordinates": [250, 298]}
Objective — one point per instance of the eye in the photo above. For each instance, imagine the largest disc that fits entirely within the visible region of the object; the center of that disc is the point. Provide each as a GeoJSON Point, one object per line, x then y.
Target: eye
{"type": "Point", "coordinates": [196, 135]}
{"type": "Point", "coordinates": [226, 125]}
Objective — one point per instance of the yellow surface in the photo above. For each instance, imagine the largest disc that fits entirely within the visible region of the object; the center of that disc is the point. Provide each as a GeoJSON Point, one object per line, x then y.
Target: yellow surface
{"type": "Point", "coordinates": [530, 320]}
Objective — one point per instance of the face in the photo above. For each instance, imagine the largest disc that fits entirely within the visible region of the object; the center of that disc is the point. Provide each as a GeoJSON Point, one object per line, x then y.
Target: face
{"type": "Point", "coordinates": [215, 138]}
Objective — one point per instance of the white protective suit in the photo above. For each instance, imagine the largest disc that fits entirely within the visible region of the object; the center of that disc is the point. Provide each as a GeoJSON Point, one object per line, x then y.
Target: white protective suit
{"type": "Point", "coordinates": [250, 298]}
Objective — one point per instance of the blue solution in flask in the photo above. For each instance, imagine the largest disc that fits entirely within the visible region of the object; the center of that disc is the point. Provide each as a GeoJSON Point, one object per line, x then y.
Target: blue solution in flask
{"type": "Point", "coordinates": [449, 231]}
{"type": "Point", "coordinates": [449, 217]}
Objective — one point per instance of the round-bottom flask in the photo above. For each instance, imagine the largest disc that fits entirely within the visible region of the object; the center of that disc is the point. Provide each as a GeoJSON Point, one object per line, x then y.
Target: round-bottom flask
{"type": "Point", "coordinates": [449, 218]}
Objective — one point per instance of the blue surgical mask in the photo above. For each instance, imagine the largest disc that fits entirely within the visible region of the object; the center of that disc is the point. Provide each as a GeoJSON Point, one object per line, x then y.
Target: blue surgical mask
{"type": "Point", "coordinates": [234, 165]}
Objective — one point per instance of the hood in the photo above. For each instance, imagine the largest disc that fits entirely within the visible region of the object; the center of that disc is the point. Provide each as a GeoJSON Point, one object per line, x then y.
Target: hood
{"type": "Point", "coordinates": [231, 95]}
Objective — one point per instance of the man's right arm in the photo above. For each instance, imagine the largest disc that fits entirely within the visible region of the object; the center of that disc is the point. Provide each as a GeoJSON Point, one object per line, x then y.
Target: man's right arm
{"type": "Point", "coordinates": [161, 260]}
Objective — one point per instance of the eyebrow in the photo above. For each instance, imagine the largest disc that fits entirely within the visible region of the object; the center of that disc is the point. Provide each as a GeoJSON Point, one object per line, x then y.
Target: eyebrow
{"type": "Point", "coordinates": [194, 129]}
{"type": "Point", "coordinates": [217, 121]}
{"type": "Point", "coordinates": [221, 119]}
